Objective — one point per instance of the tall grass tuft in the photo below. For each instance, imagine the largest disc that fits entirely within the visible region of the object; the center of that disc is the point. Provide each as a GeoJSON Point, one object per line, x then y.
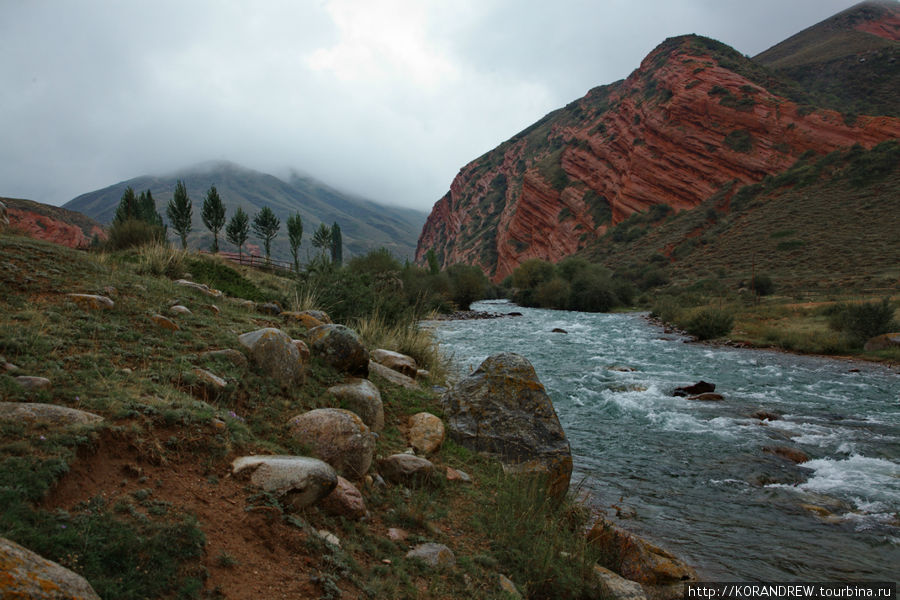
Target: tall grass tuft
{"type": "Point", "coordinates": [306, 297]}
{"type": "Point", "coordinates": [407, 338]}
{"type": "Point", "coordinates": [161, 260]}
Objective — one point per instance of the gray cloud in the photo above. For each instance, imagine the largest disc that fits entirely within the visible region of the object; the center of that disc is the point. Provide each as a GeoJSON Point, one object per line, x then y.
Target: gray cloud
{"type": "Point", "coordinates": [386, 98]}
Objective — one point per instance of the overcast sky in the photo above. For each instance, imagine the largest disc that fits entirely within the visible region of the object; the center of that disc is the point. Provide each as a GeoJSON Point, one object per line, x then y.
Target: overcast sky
{"type": "Point", "coordinates": [386, 99]}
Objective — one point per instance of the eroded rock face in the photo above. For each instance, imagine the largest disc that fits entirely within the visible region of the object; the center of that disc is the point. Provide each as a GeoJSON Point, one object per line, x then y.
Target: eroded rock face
{"type": "Point", "coordinates": [659, 137]}
{"type": "Point", "coordinates": [337, 436]}
{"type": "Point", "coordinates": [24, 574]}
{"type": "Point", "coordinates": [340, 347]}
{"type": "Point", "coordinates": [362, 397]}
{"type": "Point", "coordinates": [503, 410]}
{"type": "Point", "coordinates": [300, 480]}
{"type": "Point", "coordinates": [273, 352]}
{"type": "Point", "coordinates": [660, 572]}
{"type": "Point", "coordinates": [51, 223]}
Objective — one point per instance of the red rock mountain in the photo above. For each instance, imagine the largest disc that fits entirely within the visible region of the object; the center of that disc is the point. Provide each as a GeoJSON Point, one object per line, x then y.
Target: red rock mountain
{"type": "Point", "coordinates": [694, 117]}
{"type": "Point", "coordinates": [51, 223]}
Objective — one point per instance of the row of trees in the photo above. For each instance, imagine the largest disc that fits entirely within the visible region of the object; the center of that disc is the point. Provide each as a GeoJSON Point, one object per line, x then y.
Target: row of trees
{"type": "Point", "coordinates": [135, 210]}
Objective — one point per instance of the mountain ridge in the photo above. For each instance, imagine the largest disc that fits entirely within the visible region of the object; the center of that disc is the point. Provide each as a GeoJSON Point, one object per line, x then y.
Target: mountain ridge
{"type": "Point", "coordinates": [365, 224]}
{"type": "Point", "coordinates": [694, 116]}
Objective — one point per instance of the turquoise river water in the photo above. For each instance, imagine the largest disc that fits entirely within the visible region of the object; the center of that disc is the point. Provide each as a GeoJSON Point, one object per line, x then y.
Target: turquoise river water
{"type": "Point", "coordinates": [692, 476]}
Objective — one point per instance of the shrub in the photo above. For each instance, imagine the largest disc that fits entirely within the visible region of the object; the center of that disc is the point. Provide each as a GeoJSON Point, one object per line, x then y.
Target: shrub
{"type": "Point", "coordinates": [709, 323]}
{"type": "Point", "coordinates": [859, 322]}
{"type": "Point", "coordinates": [160, 259]}
{"type": "Point", "coordinates": [762, 285]}
{"type": "Point", "coordinates": [133, 233]}
{"type": "Point", "coordinates": [739, 140]}
{"type": "Point", "coordinates": [553, 293]}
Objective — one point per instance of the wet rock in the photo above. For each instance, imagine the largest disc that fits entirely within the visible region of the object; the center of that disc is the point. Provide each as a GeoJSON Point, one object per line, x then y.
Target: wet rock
{"type": "Point", "coordinates": [274, 353]}
{"type": "Point", "coordinates": [701, 387]}
{"type": "Point", "coordinates": [24, 574]}
{"type": "Point", "coordinates": [345, 500]}
{"type": "Point", "coordinates": [32, 383]}
{"type": "Point", "coordinates": [659, 572]}
{"type": "Point", "coordinates": [792, 454]}
{"type": "Point", "coordinates": [406, 469]}
{"type": "Point", "coordinates": [707, 397]}
{"type": "Point", "coordinates": [426, 433]}
{"type": "Point", "coordinates": [300, 480]}
{"type": "Point", "coordinates": [340, 347]}
{"type": "Point", "coordinates": [337, 436]}
{"type": "Point", "coordinates": [433, 555]}
{"type": "Point", "coordinates": [362, 397]}
{"type": "Point", "coordinates": [92, 301]}
{"type": "Point", "coordinates": [52, 414]}
{"type": "Point", "coordinates": [503, 410]}
{"type": "Point", "coordinates": [392, 376]}
{"type": "Point", "coordinates": [398, 362]}
{"type": "Point", "coordinates": [165, 322]}
{"type": "Point", "coordinates": [558, 330]}
{"type": "Point", "coordinates": [764, 415]}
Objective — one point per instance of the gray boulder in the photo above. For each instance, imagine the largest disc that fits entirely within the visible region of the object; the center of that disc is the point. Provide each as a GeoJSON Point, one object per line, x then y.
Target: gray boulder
{"type": "Point", "coordinates": [406, 469]}
{"type": "Point", "coordinates": [396, 361]}
{"type": "Point", "coordinates": [433, 555]}
{"type": "Point", "coordinates": [340, 347]}
{"type": "Point", "coordinates": [503, 410]}
{"type": "Point", "coordinates": [300, 480]}
{"type": "Point", "coordinates": [45, 413]}
{"type": "Point", "coordinates": [24, 574]}
{"type": "Point", "coordinates": [337, 436]}
{"type": "Point", "coordinates": [273, 351]}
{"type": "Point", "coordinates": [362, 397]}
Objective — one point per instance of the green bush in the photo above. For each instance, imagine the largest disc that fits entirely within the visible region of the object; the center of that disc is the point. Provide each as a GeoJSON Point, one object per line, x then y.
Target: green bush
{"type": "Point", "coordinates": [762, 285]}
{"type": "Point", "coordinates": [220, 276]}
{"type": "Point", "coordinates": [133, 233]}
{"type": "Point", "coordinates": [709, 323]}
{"type": "Point", "coordinates": [739, 140]}
{"type": "Point", "coordinates": [553, 293]}
{"type": "Point", "coordinates": [859, 322]}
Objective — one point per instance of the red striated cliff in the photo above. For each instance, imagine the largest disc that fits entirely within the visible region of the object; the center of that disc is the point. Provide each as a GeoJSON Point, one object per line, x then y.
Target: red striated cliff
{"type": "Point", "coordinates": [695, 116]}
{"type": "Point", "coordinates": [52, 223]}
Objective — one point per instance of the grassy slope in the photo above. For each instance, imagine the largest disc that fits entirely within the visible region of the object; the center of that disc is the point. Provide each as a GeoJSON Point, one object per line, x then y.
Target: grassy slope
{"type": "Point", "coordinates": [365, 224]}
{"type": "Point", "coordinates": [154, 478]}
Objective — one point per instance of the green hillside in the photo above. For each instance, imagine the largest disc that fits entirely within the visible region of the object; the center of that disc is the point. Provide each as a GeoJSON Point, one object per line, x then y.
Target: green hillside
{"type": "Point", "coordinates": [365, 224]}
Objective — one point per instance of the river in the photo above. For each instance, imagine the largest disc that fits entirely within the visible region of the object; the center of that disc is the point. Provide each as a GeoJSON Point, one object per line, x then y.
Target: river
{"type": "Point", "coordinates": [692, 476]}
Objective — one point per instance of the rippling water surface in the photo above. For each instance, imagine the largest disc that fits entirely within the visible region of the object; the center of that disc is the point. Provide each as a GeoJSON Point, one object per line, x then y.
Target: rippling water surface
{"type": "Point", "coordinates": [692, 475]}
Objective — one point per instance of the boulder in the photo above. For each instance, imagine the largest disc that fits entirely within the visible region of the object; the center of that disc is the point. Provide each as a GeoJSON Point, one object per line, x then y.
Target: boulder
{"type": "Point", "coordinates": [237, 358]}
{"type": "Point", "coordinates": [200, 287]}
{"type": "Point", "coordinates": [885, 341]}
{"type": "Point", "coordinates": [392, 376]}
{"type": "Point", "coordinates": [426, 433]}
{"type": "Point", "coordinates": [303, 349]}
{"type": "Point", "coordinates": [701, 387]}
{"type": "Point", "coordinates": [345, 500]}
{"type": "Point", "coordinates": [24, 574]}
{"type": "Point", "coordinates": [337, 436]}
{"type": "Point", "coordinates": [458, 475]}
{"type": "Point", "coordinates": [181, 310]}
{"type": "Point", "coordinates": [273, 352]}
{"type": "Point", "coordinates": [503, 410]}
{"type": "Point", "coordinates": [165, 322]}
{"type": "Point", "coordinates": [617, 588]}
{"type": "Point", "coordinates": [32, 383]}
{"type": "Point", "coordinates": [406, 469]}
{"type": "Point", "coordinates": [340, 347]}
{"type": "Point", "coordinates": [303, 318]}
{"type": "Point", "coordinates": [213, 309]}
{"type": "Point", "coordinates": [764, 415]}
{"type": "Point", "coordinates": [396, 361]}
{"type": "Point", "coordinates": [45, 413]}
{"type": "Point", "coordinates": [792, 454]}
{"type": "Point", "coordinates": [268, 308]}
{"type": "Point", "coordinates": [558, 330]}
{"type": "Point", "coordinates": [300, 481]}
{"type": "Point", "coordinates": [362, 397]}
{"type": "Point", "coordinates": [209, 380]}
{"type": "Point", "coordinates": [660, 573]}
{"type": "Point", "coordinates": [707, 397]}
{"type": "Point", "coordinates": [91, 301]}
{"type": "Point", "coordinates": [433, 555]}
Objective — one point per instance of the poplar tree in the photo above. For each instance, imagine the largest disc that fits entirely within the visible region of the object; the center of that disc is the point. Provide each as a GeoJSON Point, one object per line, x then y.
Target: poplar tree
{"type": "Point", "coordinates": [337, 245]}
{"type": "Point", "coordinates": [295, 235]}
{"type": "Point", "coordinates": [322, 237]}
{"type": "Point", "coordinates": [238, 229]}
{"type": "Point", "coordinates": [180, 212]}
{"type": "Point", "coordinates": [265, 226]}
{"type": "Point", "coordinates": [213, 215]}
